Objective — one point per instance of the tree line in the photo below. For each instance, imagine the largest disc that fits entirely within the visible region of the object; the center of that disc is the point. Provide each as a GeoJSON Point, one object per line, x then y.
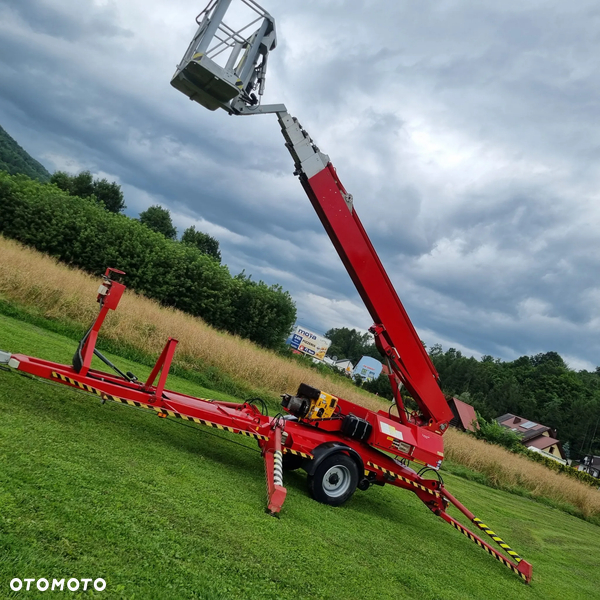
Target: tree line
{"type": "Point", "coordinates": [109, 195]}
{"type": "Point", "coordinates": [91, 233]}
{"type": "Point", "coordinates": [540, 388]}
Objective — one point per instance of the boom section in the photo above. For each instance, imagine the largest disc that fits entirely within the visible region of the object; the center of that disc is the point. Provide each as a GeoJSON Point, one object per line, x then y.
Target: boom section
{"type": "Point", "coordinates": [395, 335]}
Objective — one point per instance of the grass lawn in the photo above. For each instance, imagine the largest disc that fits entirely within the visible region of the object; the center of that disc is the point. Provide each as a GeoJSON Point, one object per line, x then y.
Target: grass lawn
{"type": "Point", "coordinates": [164, 511]}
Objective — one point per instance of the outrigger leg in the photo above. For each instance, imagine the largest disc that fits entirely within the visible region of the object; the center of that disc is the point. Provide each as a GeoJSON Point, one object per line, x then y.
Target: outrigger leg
{"type": "Point", "coordinates": [517, 564]}
{"type": "Point", "coordinates": [437, 498]}
{"type": "Point", "coordinates": [273, 456]}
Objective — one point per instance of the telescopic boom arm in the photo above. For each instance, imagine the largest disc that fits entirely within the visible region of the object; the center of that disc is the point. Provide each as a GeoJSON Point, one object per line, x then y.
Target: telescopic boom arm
{"type": "Point", "coordinates": [395, 335]}
{"type": "Point", "coordinates": [231, 86]}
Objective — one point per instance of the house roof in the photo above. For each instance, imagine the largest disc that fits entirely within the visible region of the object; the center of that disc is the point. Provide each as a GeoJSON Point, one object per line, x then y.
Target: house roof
{"type": "Point", "coordinates": [464, 413]}
{"type": "Point", "coordinates": [533, 433]}
{"type": "Point", "coordinates": [542, 442]}
{"type": "Point", "coordinates": [530, 432]}
{"type": "Point", "coordinates": [504, 417]}
{"type": "Point", "coordinates": [527, 429]}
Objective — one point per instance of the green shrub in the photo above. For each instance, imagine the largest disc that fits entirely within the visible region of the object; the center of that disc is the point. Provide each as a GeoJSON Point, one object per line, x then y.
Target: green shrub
{"type": "Point", "coordinates": [494, 433]}
{"type": "Point", "coordinates": [560, 468]}
{"type": "Point", "coordinates": [82, 233]}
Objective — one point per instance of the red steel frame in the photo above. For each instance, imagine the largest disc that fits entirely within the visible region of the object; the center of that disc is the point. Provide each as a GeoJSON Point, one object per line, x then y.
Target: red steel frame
{"type": "Point", "coordinates": [275, 435]}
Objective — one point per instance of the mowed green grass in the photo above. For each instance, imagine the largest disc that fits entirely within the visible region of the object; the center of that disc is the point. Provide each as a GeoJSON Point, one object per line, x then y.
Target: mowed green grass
{"type": "Point", "coordinates": [164, 511]}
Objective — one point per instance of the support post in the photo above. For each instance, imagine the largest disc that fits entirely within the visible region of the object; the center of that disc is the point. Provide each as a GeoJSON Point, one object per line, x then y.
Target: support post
{"type": "Point", "coordinates": [87, 352]}
{"type": "Point", "coordinates": [163, 364]}
{"type": "Point", "coordinates": [109, 295]}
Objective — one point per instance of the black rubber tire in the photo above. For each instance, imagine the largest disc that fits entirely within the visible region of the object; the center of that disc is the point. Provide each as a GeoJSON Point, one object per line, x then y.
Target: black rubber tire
{"type": "Point", "coordinates": [291, 462]}
{"type": "Point", "coordinates": [334, 480]}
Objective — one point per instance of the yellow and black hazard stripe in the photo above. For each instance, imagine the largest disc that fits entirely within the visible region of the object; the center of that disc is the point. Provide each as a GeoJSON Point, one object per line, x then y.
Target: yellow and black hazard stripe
{"type": "Point", "coordinates": [162, 412]}
{"type": "Point", "coordinates": [379, 468]}
{"type": "Point", "coordinates": [489, 550]}
{"type": "Point", "coordinates": [497, 539]}
{"type": "Point", "coordinates": [297, 453]}
{"type": "Point", "coordinates": [176, 415]}
{"type": "Point", "coordinates": [405, 479]}
{"type": "Point", "coordinates": [79, 384]}
{"type": "Point", "coordinates": [93, 390]}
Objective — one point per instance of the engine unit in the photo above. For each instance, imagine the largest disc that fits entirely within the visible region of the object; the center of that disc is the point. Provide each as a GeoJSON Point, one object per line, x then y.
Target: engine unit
{"type": "Point", "coordinates": [310, 403]}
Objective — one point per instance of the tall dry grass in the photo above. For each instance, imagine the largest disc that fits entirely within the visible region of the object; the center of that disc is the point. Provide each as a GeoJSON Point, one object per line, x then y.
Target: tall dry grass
{"type": "Point", "coordinates": [508, 471]}
{"type": "Point", "coordinates": [32, 279]}
{"type": "Point", "coordinates": [35, 280]}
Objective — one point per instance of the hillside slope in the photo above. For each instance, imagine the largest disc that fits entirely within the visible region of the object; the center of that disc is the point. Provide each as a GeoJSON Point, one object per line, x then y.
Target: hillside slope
{"type": "Point", "coordinates": [15, 159]}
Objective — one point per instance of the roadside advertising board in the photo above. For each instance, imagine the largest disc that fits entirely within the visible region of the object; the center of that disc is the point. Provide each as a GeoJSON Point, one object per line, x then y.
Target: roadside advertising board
{"type": "Point", "coordinates": [309, 343]}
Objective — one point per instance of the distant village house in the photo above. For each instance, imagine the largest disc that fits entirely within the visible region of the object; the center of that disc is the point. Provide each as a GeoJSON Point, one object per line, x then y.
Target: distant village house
{"type": "Point", "coordinates": [535, 436]}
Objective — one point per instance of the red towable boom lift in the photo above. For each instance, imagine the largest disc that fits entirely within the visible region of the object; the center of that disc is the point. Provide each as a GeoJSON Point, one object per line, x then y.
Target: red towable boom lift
{"type": "Point", "coordinates": [341, 445]}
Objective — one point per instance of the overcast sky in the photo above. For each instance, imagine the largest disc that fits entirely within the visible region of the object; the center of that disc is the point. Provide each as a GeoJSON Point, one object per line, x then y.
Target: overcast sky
{"type": "Point", "coordinates": [467, 132]}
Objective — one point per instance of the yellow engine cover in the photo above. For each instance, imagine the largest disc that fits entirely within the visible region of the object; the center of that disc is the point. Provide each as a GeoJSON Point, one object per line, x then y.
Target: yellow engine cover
{"type": "Point", "coordinates": [323, 408]}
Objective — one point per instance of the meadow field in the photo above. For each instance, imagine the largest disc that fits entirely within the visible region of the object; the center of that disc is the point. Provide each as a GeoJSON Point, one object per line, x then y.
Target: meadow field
{"type": "Point", "coordinates": [58, 292]}
{"type": "Point", "coordinates": [37, 288]}
{"type": "Point", "coordinates": [163, 511]}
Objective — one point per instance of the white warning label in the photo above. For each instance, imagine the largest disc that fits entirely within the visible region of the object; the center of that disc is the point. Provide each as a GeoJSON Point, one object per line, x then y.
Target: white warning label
{"type": "Point", "coordinates": [390, 430]}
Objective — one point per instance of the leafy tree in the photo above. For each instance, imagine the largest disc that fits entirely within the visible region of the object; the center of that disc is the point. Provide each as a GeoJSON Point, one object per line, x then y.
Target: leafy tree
{"type": "Point", "coordinates": [351, 344]}
{"type": "Point", "coordinates": [548, 358]}
{"type": "Point", "coordinates": [380, 386]}
{"type": "Point", "coordinates": [204, 242]}
{"type": "Point", "coordinates": [158, 219]}
{"type": "Point", "coordinates": [264, 310]}
{"type": "Point", "coordinates": [495, 433]}
{"type": "Point", "coordinates": [62, 180]}
{"type": "Point", "coordinates": [436, 350]}
{"type": "Point", "coordinates": [84, 186]}
{"type": "Point", "coordinates": [110, 195]}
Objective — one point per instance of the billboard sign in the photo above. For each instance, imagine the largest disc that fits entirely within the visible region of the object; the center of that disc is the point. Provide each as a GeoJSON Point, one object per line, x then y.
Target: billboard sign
{"type": "Point", "coordinates": [309, 343]}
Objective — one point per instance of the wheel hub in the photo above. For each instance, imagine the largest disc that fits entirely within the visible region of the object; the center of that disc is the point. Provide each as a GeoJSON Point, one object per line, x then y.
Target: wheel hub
{"type": "Point", "coordinates": [337, 481]}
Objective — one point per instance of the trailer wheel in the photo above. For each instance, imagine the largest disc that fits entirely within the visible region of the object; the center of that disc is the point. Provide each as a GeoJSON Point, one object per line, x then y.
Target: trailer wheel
{"type": "Point", "coordinates": [334, 480]}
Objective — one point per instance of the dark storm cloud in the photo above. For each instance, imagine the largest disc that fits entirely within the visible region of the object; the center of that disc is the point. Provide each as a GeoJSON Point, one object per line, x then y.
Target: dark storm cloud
{"type": "Point", "coordinates": [467, 133]}
{"type": "Point", "coordinates": [98, 120]}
